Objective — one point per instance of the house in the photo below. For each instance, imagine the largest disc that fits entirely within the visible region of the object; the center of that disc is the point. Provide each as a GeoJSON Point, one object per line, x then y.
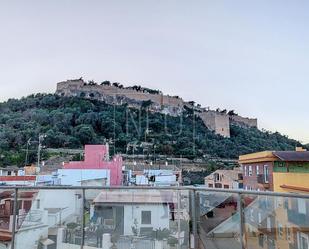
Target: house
{"type": "Point", "coordinates": [280, 171]}
{"type": "Point", "coordinates": [97, 158]}
{"type": "Point", "coordinates": [227, 179]}
{"type": "Point", "coordinates": [30, 221]}
{"type": "Point", "coordinates": [154, 178]}
{"type": "Point", "coordinates": [144, 211]}
{"type": "Point", "coordinates": [40, 214]}
{"type": "Point", "coordinates": [277, 222]}
{"type": "Point", "coordinates": [10, 171]}
{"type": "Point", "coordinates": [152, 175]}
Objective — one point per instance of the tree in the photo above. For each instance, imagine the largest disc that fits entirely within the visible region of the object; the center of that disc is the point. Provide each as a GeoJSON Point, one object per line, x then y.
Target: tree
{"type": "Point", "coordinates": [192, 103]}
{"type": "Point", "coordinates": [85, 134]}
{"type": "Point", "coordinates": [106, 83]}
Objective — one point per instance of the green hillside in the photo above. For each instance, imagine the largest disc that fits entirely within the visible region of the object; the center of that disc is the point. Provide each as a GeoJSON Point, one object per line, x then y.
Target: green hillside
{"type": "Point", "coordinates": [73, 122]}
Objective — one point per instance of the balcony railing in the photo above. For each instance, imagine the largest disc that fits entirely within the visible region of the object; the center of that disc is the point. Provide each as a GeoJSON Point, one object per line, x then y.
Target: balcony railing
{"type": "Point", "coordinates": [158, 218]}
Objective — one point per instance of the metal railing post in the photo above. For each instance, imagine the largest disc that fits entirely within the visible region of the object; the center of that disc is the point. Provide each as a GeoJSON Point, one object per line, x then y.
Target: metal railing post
{"type": "Point", "coordinates": [14, 218]}
{"type": "Point", "coordinates": [83, 218]}
{"type": "Point", "coordinates": [193, 208]}
{"type": "Point", "coordinates": [241, 221]}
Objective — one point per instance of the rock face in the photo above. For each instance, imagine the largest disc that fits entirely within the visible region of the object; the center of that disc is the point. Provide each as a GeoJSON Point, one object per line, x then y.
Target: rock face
{"type": "Point", "coordinates": [217, 121]}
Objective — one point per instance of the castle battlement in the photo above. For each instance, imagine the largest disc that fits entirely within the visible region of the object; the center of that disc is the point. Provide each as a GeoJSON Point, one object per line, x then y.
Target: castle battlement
{"type": "Point", "coordinates": [217, 121]}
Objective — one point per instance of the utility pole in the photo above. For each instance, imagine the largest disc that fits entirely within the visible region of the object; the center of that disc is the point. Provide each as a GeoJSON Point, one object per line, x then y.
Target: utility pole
{"type": "Point", "coordinates": [41, 138]}
{"type": "Point", "coordinates": [27, 151]}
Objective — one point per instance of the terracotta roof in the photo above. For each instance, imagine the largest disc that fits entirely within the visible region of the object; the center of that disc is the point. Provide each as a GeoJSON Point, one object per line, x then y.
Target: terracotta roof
{"type": "Point", "coordinates": [17, 178]}
{"type": "Point", "coordinates": [293, 156]}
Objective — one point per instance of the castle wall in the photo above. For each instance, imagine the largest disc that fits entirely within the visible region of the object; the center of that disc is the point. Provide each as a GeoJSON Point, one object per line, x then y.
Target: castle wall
{"type": "Point", "coordinates": [115, 95]}
{"type": "Point", "coordinates": [244, 122]}
{"type": "Point", "coordinates": [66, 86]}
{"type": "Point", "coordinates": [217, 122]}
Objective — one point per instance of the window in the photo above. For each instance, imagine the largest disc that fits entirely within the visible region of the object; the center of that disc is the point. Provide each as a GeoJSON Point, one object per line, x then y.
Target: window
{"type": "Point", "coordinates": [303, 241]}
{"type": "Point", "coordinates": [259, 218]}
{"type": "Point", "coordinates": [146, 217]}
{"type": "Point", "coordinates": [261, 240]}
{"type": "Point", "coordinates": [250, 170]}
{"type": "Point", "coordinates": [245, 170]}
{"type": "Point", "coordinates": [251, 214]}
{"type": "Point", "coordinates": [218, 185]}
{"type": "Point", "coordinates": [210, 185]}
{"type": "Point", "coordinates": [226, 186]}
{"type": "Point", "coordinates": [280, 230]}
{"type": "Point", "coordinates": [301, 203]}
{"type": "Point", "coordinates": [268, 224]}
{"type": "Point", "coordinates": [266, 173]}
{"type": "Point", "coordinates": [38, 204]}
{"type": "Point", "coordinates": [288, 234]}
{"type": "Point", "coordinates": [257, 169]}
{"type": "Point", "coordinates": [217, 177]}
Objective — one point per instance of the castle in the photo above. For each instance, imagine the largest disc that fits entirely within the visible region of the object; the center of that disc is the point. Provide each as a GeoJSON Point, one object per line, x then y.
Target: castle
{"type": "Point", "coordinates": [217, 121]}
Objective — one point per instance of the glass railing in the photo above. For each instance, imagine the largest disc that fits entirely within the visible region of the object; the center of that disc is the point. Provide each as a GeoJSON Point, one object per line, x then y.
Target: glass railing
{"type": "Point", "coordinates": [154, 218]}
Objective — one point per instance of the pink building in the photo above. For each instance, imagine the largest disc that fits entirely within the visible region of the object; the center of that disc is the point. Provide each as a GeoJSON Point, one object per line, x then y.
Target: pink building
{"type": "Point", "coordinates": [97, 157]}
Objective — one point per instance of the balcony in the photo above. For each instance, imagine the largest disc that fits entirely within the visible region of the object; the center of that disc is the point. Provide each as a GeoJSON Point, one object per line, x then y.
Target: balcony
{"type": "Point", "coordinates": [261, 180]}
{"type": "Point", "coordinates": [155, 218]}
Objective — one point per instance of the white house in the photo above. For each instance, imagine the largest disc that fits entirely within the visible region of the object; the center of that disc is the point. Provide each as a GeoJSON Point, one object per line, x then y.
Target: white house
{"type": "Point", "coordinates": [129, 212]}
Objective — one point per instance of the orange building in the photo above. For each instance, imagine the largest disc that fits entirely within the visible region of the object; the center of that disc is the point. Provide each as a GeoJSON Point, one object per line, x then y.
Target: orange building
{"type": "Point", "coordinates": [277, 222]}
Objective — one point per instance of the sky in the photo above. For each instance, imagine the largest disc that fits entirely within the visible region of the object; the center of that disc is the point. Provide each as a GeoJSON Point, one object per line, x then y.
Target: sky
{"type": "Point", "coordinates": [248, 56]}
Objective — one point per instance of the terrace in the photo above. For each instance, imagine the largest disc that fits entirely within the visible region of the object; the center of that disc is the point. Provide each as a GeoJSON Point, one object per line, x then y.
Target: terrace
{"type": "Point", "coordinates": [155, 218]}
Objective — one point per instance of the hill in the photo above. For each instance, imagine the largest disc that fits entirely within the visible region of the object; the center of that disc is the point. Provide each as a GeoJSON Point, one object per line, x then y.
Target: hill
{"type": "Point", "coordinates": [71, 122]}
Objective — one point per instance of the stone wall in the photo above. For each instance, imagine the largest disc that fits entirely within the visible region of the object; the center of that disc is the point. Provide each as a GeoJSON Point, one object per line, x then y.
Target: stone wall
{"type": "Point", "coordinates": [115, 95]}
{"type": "Point", "coordinates": [243, 122]}
{"type": "Point", "coordinates": [215, 121]}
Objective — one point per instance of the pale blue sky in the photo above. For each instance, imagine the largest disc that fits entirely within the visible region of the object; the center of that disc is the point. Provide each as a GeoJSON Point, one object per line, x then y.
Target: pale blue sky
{"type": "Point", "coordinates": [251, 56]}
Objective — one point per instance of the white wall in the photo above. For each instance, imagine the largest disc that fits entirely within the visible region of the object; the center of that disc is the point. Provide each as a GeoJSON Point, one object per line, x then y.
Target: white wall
{"type": "Point", "coordinates": [69, 201]}
{"type": "Point", "coordinates": [73, 177]}
{"type": "Point", "coordinates": [28, 238]}
{"type": "Point", "coordinates": [132, 212]}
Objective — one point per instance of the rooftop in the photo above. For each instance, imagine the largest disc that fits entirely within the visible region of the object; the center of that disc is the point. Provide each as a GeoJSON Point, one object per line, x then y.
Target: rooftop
{"type": "Point", "coordinates": [233, 174]}
{"type": "Point", "coordinates": [271, 156]}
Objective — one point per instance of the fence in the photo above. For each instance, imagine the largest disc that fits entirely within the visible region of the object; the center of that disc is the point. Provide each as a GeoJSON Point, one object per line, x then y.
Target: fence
{"type": "Point", "coordinates": [156, 218]}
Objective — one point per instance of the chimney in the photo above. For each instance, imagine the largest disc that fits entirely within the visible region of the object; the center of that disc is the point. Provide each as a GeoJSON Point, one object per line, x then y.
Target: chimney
{"type": "Point", "coordinates": [300, 149]}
